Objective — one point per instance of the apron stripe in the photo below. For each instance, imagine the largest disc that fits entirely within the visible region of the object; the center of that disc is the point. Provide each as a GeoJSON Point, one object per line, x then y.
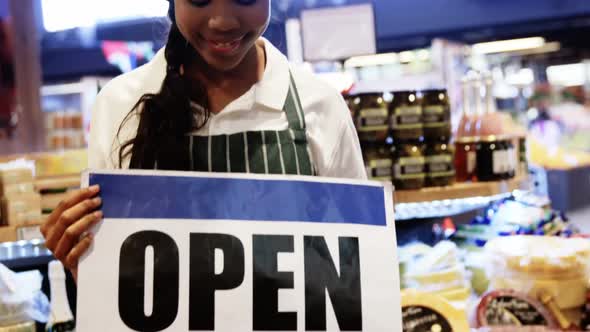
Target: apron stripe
{"type": "Point", "coordinates": [297, 103]}
{"type": "Point", "coordinates": [227, 154]}
{"type": "Point", "coordinates": [295, 151]}
{"type": "Point", "coordinates": [209, 161]}
{"type": "Point", "coordinates": [246, 156]}
{"type": "Point", "coordinates": [218, 154]}
{"type": "Point", "coordinates": [265, 153]}
{"type": "Point", "coordinates": [291, 111]}
{"type": "Point", "coordinates": [236, 153]}
{"type": "Point", "coordinates": [256, 154]}
{"type": "Point", "coordinates": [288, 152]}
{"type": "Point", "coordinates": [280, 152]}
{"type": "Point", "coordinates": [273, 153]}
{"type": "Point", "coordinates": [299, 139]}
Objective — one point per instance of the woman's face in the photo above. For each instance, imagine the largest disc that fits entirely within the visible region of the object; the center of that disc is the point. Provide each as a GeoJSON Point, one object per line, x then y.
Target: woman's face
{"type": "Point", "coordinates": [222, 31]}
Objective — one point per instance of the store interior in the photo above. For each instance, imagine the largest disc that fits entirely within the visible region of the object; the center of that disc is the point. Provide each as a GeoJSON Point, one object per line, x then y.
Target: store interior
{"type": "Point", "coordinates": [478, 112]}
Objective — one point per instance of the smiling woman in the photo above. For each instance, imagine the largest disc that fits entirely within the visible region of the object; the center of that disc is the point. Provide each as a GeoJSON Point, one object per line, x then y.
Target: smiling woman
{"type": "Point", "coordinates": [217, 98]}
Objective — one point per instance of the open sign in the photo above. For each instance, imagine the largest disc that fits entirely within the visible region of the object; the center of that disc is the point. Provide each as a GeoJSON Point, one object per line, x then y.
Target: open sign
{"type": "Point", "coordinates": [322, 258]}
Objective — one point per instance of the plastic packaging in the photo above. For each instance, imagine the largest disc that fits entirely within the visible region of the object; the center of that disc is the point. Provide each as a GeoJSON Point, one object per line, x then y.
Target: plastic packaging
{"type": "Point", "coordinates": [21, 298]}
{"type": "Point", "coordinates": [553, 266]}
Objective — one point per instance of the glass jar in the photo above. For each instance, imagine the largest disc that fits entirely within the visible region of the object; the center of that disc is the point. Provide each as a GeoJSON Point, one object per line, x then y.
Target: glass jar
{"type": "Point", "coordinates": [378, 163]}
{"type": "Point", "coordinates": [405, 116]}
{"type": "Point", "coordinates": [440, 169]}
{"type": "Point", "coordinates": [466, 159]}
{"type": "Point", "coordinates": [409, 165]}
{"type": "Point", "coordinates": [352, 101]}
{"type": "Point", "coordinates": [494, 158]}
{"type": "Point", "coordinates": [371, 117]}
{"type": "Point", "coordinates": [436, 114]}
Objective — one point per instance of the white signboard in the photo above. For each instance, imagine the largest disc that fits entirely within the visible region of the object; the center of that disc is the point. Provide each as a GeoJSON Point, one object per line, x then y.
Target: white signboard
{"type": "Point", "coordinates": [338, 33]}
{"type": "Point", "coordinates": [209, 252]}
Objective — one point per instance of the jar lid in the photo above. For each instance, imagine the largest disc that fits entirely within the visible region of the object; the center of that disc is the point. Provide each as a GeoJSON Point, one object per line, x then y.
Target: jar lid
{"type": "Point", "coordinates": [494, 138]}
{"type": "Point", "coordinates": [466, 140]}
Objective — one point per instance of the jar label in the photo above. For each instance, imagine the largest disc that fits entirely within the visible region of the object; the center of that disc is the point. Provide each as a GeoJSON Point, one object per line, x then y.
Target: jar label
{"type": "Point", "coordinates": [499, 161]}
{"type": "Point", "coordinates": [504, 161]}
{"type": "Point", "coordinates": [420, 319]}
{"type": "Point", "coordinates": [407, 118]}
{"type": "Point", "coordinates": [435, 117]}
{"type": "Point", "coordinates": [410, 168]}
{"type": "Point", "coordinates": [372, 119]}
{"type": "Point", "coordinates": [440, 166]}
{"type": "Point", "coordinates": [379, 169]}
{"type": "Point", "coordinates": [509, 310]}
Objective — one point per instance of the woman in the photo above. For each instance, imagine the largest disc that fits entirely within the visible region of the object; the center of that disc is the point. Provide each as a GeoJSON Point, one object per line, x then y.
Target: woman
{"type": "Point", "coordinates": [219, 98]}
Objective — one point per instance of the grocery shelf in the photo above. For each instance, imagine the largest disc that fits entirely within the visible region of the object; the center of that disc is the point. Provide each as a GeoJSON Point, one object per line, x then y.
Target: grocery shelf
{"type": "Point", "coordinates": [453, 200]}
{"type": "Point", "coordinates": [57, 182]}
{"type": "Point", "coordinates": [460, 190]}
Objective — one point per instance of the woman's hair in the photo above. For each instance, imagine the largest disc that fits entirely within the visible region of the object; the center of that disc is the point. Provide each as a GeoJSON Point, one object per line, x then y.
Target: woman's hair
{"type": "Point", "coordinates": [166, 117]}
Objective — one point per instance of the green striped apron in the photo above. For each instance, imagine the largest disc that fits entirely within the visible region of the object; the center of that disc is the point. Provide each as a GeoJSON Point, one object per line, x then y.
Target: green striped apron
{"type": "Point", "coordinates": [262, 152]}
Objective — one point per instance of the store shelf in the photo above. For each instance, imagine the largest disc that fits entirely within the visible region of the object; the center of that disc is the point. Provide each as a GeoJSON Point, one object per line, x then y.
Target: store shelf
{"type": "Point", "coordinates": [459, 191]}
{"type": "Point", "coordinates": [57, 182]}
{"type": "Point", "coordinates": [453, 200]}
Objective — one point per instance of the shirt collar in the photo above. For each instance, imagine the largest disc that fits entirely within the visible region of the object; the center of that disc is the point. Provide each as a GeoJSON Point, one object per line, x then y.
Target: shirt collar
{"type": "Point", "coordinates": [270, 93]}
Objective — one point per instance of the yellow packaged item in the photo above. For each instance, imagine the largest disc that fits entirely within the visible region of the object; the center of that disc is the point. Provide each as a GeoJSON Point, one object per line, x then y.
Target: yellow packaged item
{"type": "Point", "coordinates": [557, 267]}
{"type": "Point", "coordinates": [428, 312]}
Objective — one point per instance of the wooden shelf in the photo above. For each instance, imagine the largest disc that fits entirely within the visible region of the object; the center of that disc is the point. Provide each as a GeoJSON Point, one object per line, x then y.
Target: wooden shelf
{"type": "Point", "coordinates": [57, 182]}
{"type": "Point", "coordinates": [460, 190]}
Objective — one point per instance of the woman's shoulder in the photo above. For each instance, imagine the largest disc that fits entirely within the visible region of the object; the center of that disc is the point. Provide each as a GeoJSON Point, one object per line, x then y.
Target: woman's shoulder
{"type": "Point", "coordinates": [317, 94]}
{"type": "Point", "coordinates": [126, 89]}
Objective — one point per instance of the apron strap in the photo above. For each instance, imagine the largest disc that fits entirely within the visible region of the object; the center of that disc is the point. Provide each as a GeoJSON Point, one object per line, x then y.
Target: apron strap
{"type": "Point", "coordinates": [293, 107]}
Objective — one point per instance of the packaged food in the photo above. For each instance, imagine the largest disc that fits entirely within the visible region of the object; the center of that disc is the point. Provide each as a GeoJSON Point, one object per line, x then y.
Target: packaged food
{"type": "Point", "coordinates": [511, 308]}
{"type": "Point", "coordinates": [495, 158]}
{"type": "Point", "coordinates": [371, 116]}
{"type": "Point", "coordinates": [436, 114]}
{"type": "Point", "coordinates": [15, 176]}
{"type": "Point", "coordinates": [21, 208]}
{"type": "Point", "coordinates": [377, 156]}
{"type": "Point", "coordinates": [466, 159]}
{"type": "Point", "coordinates": [409, 166]}
{"type": "Point", "coordinates": [541, 265]}
{"type": "Point", "coordinates": [440, 169]}
{"type": "Point", "coordinates": [428, 312]}
{"type": "Point", "coordinates": [405, 116]}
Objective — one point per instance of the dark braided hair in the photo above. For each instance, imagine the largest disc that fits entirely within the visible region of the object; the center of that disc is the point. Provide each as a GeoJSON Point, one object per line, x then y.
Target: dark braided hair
{"type": "Point", "coordinates": [166, 117]}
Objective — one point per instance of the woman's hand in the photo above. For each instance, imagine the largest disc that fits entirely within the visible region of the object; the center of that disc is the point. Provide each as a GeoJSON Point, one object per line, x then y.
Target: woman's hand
{"type": "Point", "coordinates": [72, 218]}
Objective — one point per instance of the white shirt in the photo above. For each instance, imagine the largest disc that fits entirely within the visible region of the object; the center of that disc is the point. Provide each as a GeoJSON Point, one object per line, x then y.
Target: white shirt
{"type": "Point", "coordinates": [331, 133]}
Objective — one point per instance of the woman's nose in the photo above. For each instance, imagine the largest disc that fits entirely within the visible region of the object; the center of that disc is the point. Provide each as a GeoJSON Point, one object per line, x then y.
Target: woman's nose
{"type": "Point", "coordinates": [224, 22]}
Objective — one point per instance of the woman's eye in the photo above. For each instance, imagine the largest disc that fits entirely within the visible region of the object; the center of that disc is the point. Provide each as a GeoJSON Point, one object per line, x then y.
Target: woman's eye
{"type": "Point", "coordinates": [200, 3]}
{"type": "Point", "coordinates": [246, 2]}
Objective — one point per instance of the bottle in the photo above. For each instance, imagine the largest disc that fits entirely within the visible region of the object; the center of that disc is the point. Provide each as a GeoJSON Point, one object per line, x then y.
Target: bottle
{"type": "Point", "coordinates": [491, 121]}
{"type": "Point", "coordinates": [479, 126]}
{"type": "Point", "coordinates": [61, 319]}
{"type": "Point", "coordinates": [466, 123]}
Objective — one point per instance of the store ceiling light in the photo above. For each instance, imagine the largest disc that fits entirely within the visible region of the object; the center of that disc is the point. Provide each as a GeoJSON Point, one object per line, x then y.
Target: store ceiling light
{"type": "Point", "coordinates": [371, 60]}
{"type": "Point", "coordinates": [511, 45]}
{"type": "Point", "coordinates": [67, 14]}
